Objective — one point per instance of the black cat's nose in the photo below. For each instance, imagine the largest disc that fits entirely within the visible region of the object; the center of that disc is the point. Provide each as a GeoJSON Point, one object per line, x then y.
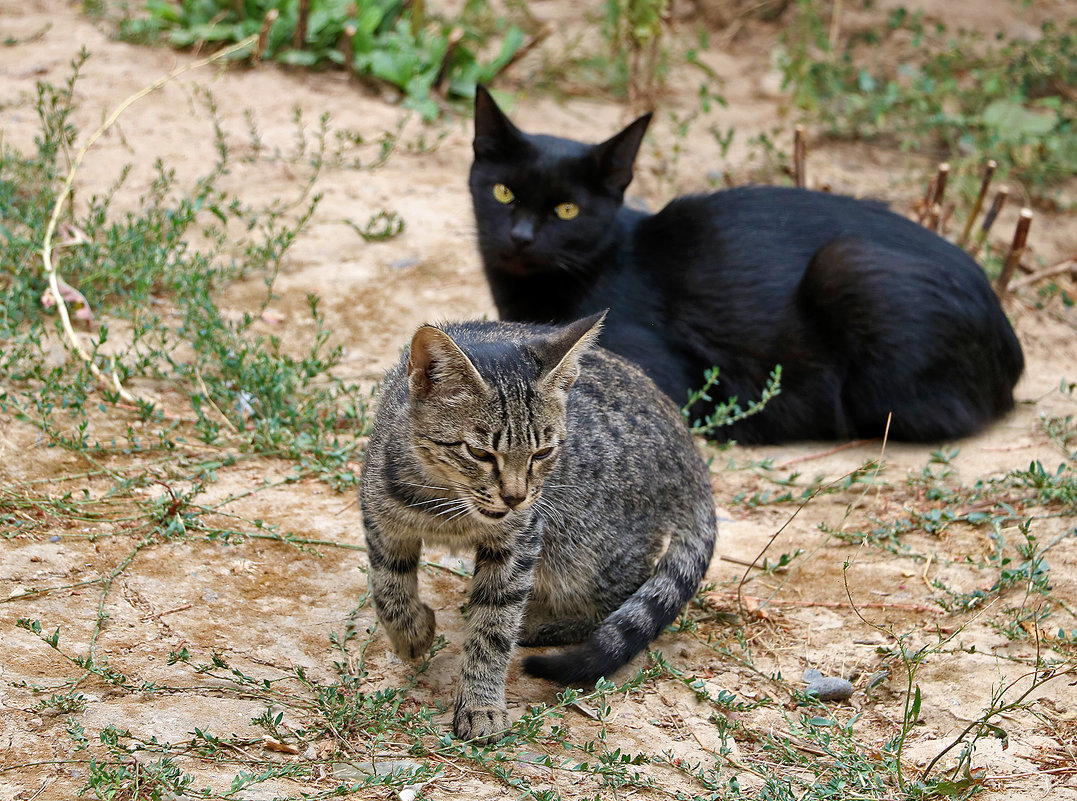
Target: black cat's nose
{"type": "Point", "coordinates": [523, 232]}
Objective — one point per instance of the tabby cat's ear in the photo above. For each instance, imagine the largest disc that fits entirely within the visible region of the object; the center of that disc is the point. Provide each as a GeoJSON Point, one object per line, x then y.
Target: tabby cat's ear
{"type": "Point", "coordinates": [617, 154]}
{"type": "Point", "coordinates": [560, 352]}
{"type": "Point", "coordinates": [438, 368]}
{"type": "Point", "coordinates": [495, 135]}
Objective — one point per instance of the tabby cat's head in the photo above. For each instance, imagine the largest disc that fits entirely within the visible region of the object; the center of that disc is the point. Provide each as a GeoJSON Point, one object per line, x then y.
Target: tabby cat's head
{"type": "Point", "coordinates": [543, 203]}
{"type": "Point", "coordinates": [491, 422]}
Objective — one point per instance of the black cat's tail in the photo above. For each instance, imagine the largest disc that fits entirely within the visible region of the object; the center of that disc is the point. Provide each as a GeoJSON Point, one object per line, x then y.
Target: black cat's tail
{"type": "Point", "coordinates": [642, 617]}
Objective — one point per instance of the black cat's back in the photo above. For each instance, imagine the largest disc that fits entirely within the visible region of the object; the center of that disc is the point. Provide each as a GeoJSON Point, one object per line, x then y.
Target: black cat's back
{"type": "Point", "coordinates": [867, 311]}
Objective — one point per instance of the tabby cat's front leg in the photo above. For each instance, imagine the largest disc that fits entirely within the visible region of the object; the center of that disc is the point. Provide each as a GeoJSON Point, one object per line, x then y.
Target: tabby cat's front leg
{"type": "Point", "coordinates": [499, 593]}
{"type": "Point", "coordinates": [394, 586]}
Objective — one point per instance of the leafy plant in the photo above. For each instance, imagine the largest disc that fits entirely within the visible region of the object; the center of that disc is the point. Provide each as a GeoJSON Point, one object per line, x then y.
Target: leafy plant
{"type": "Point", "coordinates": [729, 411]}
{"type": "Point", "coordinates": [387, 41]}
{"type": "Point", "coordinates": [142, 270]}
{"type": "Point", "coordinates": [634, 30]}
{"type": "Point", "coordinates": [1009, 100]}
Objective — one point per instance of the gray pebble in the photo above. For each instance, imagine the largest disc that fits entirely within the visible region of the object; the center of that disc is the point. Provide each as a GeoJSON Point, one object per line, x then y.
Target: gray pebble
{"type": "Point", "coordinates": [827, 688]}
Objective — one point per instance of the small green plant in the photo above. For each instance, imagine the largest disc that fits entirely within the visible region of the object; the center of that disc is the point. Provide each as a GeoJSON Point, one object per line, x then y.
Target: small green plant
{"type": "Point", "coordinates": [1007, 101]}
{"type": "Point", "coordinates": [243, 388]}
{"type": "Point", "coordinates": [729, 411]}
{"type": "Point", "coordinates": [634, 30]}
{"type": "Point", "coordinates": [383, 40]}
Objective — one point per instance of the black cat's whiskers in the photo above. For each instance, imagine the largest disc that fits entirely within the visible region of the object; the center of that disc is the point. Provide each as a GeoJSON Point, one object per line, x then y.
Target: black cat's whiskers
{"type": "Point", "coordinates": [575, 264]}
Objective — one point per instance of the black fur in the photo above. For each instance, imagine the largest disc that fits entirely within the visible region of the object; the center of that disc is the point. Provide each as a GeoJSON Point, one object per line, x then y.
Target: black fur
{"type": "Point", "coordinates": [867, 312]}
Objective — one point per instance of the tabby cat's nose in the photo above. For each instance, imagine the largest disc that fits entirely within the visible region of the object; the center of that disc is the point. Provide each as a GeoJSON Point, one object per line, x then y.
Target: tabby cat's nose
{"type": "Point", "coordinates": [511, 500]}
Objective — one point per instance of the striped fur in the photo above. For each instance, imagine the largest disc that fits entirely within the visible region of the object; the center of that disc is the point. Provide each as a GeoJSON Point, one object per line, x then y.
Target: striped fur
{"type": "Point", "coordinates": [571, 476]}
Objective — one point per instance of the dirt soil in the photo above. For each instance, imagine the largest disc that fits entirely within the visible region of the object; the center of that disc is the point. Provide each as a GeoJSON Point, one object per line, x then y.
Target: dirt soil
{"type": "Point", "coordinates": [267, 606]}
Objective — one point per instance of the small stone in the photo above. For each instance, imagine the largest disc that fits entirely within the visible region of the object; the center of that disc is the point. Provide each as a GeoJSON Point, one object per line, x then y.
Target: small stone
{"type": "Point", "coordinates": [829, 688]}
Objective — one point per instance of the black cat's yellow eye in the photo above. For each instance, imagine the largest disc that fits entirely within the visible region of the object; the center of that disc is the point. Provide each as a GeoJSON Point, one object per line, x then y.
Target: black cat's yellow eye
{"type": "Point", "coordinates": [503, 194]}
{"type": "Point", "coordinates": [479, 453]}
{"type": "Point", "coordinates": [542, 453]}
{"type": "Point", "coordinates": [567, 211]}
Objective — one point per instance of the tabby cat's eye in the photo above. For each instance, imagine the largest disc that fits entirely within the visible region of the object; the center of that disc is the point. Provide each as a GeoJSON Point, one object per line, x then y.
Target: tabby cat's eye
{"type": "Point", "coordinates": [479, 453]}
{"type": "Point", "coordinates": [567, 211]}
{"type": "Point", "coordinates": [542, 453]}
{"type": "Point", "coordinates": [503, 194]}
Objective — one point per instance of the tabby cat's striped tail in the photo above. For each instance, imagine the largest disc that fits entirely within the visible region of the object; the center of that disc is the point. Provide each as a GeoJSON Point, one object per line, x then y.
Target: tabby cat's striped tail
{"type": "Point", "coordinates": [640, 619]}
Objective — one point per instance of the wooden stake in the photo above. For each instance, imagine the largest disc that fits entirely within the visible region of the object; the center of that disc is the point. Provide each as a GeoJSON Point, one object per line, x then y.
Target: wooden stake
{"type": "Point", "coordinates": [935, 208]}
{"type": "Point", "coordinates": [940, 182]}
{"type": "Point", "coordinates": [347, 44]}
{"type": "Point", "coordinates": [990, 217]}
{"type": "Point", "coordinates": [799, 152]}
{"type": "Point", "coordinates": [989, 173]}
{"type": "Point", "coordinates": [835, 26]}
{"type": "Point", "coordinates": [1017, 250]}
{"type": "Point", "coordinates": [947, 213]}
{"type": "Point", "coordinates": [263, 35]}
{"type": "Point", "coordinates": [299, 39]}
{"type": "Point", "coordinates": [923, 208]}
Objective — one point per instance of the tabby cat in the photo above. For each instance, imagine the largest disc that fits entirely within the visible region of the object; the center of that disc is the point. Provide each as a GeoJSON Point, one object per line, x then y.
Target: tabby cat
{"type": "Point", "coordinates": [571, 476]}
{"type": "Point", "coordinates": [867, 312]}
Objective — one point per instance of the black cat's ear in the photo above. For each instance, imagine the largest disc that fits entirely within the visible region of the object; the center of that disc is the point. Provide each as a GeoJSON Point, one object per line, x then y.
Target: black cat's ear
{"type": "Point", "coordinates": [616, 155]}
{"type": "Point", "coordinates": [437, 368]}
{"type": "Point", "coordinates": [495, 135]}
{"type": "Point", "coordinates": [560, 352]}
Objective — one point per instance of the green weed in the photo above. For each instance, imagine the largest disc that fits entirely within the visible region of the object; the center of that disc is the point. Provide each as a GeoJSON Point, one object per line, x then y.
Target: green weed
{"type": "Point", "coordinates": [141, 273]}
{"type": "Point", "coordinates": [395, 43]}
{"type": "Point", "coordinates": [727, 412]}
{"type": "Point", "coordinates": [974, 99]}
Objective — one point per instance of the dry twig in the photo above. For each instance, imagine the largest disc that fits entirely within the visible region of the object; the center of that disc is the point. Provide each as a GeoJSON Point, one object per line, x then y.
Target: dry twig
{"type": "Point", "coordinates": [711, 597]}
{"type": "Point", "coordinates": [51, 273]}
{"type": "Point", "coordinates": [299, 38]}
{"type": "Point", "coordinates": [1065, 266]}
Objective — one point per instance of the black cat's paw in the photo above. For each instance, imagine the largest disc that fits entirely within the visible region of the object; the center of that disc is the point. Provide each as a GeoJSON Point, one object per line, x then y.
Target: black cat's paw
{"type": "Point", "coordinates": [482, 725]}
{"type": "Point", "coordinates": [412, 639]}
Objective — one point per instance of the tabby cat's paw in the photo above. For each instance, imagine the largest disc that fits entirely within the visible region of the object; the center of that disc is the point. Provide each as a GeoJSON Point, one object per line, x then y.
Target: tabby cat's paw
{"type": "Point", "coordinates": [411, 639]}
{"type": "Point", "coordinates": [483, 725]}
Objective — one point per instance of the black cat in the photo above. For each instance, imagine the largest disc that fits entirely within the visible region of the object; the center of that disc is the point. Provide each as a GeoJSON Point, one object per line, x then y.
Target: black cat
{"type": "Point", "coordinates": [867, 312]}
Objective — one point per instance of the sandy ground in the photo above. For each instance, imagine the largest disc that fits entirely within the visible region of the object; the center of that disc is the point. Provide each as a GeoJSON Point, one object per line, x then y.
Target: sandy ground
{"type": "Point", "coordinates": [268, 607]}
